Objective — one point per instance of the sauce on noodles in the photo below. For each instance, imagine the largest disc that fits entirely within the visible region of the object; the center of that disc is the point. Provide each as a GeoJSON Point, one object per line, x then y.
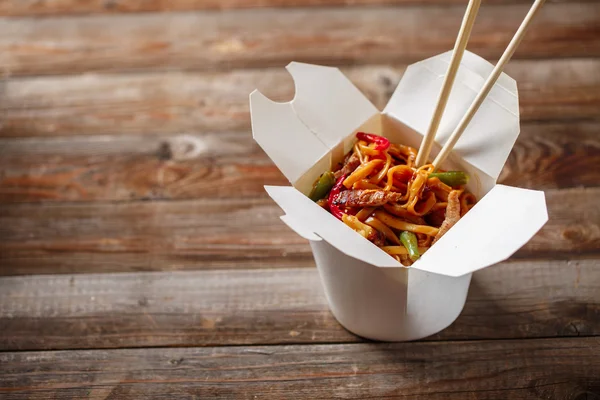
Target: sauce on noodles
{"type": "Point", "coordinates": [378, 192]}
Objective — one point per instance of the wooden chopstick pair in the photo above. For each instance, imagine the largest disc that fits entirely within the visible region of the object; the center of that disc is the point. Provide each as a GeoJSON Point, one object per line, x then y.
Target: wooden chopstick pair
{"type": "Point", "coordinates": [457, 54]}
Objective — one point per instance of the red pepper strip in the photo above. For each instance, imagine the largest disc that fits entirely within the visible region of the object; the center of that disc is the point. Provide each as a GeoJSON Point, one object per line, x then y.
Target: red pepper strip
{"type": "Point", "coordinates": [335, 190]}
{"type": "Point", "coordinates": [381, 143]}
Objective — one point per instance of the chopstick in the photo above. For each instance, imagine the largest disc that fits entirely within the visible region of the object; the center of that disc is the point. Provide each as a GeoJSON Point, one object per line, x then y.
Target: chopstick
{"type": "Point", "coordinates": [457, 54]}
{"type": "Point", "coordinates": [489, 83]}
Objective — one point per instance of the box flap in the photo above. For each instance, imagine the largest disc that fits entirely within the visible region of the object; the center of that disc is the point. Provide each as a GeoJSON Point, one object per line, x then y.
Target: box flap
{"type": "Point", "coordinates": [328, 103]}
{"type": "Point", "coordinates": [489, 138]}
{"type": "Point", "coordinates": [285, 139]}
{"type": "Point", "coordinates": [326, 108]}
{"type": "Point", "coordinates": [298, 207]}
{"type": "Point", "coordinates": [300, 228]}
{"type": "Point", "coordinates": [499, 224]}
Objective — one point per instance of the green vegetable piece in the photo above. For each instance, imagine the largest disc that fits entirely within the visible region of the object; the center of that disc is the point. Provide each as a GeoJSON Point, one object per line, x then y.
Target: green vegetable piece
{"type": "Point", "coordinates": [322, 186]}
{"type": "Point", "coordinates": [409, 240]}
{"type": "Point", "coordinates": [451, 178]}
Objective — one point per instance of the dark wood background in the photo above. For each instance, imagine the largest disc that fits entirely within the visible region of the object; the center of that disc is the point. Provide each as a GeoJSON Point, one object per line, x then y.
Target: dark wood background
{"type": "Point", "coordinates": [140, 257]}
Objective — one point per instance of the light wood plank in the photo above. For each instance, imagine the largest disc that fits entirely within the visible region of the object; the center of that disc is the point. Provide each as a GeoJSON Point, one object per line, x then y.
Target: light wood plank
{"type": "Point", "coordinates": [244, 38]}
{"type": "Point", "coordinates": [176, 103]}
{"type": "Point", "coordinates": [217, 233]}
{"type": "Point", "coordinates": [515, 369]}
{"type": "Point", "coordinates": [75, 7]}
{"type": "Point", "coordinates": [210, 308]}
{"type": "Point", "coordinates": [218, 165]}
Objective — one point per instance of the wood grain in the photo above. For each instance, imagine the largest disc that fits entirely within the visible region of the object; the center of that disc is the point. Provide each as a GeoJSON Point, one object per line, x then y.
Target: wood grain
{"type": "Point", "coordinates": [214, 233]}
{"type": "Point", "coordinates": [131, 127]}
{"type": "Point", "coordinates": [135, 168]}
{"type": "Point", "coordinates": [169, 103]}
{"type": "Point", "coordinates": [267, 37]}
{"type": "Point", "coordinates": [75, 7]}
{"type": "Point", "coordinates": [217, 233]}
{"type": "Point", "coordinates": [554, 155]}
{"type": "Point", "coordinates": [211, 308]}
{"type": "Point", "coordinates": [218, 165]}
{"type": "Point", "coordinates": [515, 369]}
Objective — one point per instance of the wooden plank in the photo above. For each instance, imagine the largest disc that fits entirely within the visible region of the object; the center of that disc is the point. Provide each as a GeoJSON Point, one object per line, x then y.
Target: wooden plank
{"type": "Point", "coordinates": [97, 168]}
{"type": "Point", "coordinates": [515, 369]}
{"type": "Point", "coordinates": [217, 233]}
{"type": "Point", "coordinates": [573, 227]}
{"type": "Point", "coordinates": [245, 38]}
{"type": "Point", "coordinates": [248, 307]}
{"type": "Point", "coordinates": [555, 155]}
{"type": "Point", "coordinates": [161, 103]}
{"type": "Point", "coordinates": [134, 168]}
{"type": "Point", "coordinates": [76, 7]}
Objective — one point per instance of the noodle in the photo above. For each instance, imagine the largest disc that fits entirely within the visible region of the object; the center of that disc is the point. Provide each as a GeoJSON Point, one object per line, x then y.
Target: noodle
{"type": "Point", "coordinates": [357, 151]}
{"type": "Point", "coordinates": [376, 179]}
{"type": "Point", "coordinates": [384, 229]}
{"type": "Point", "coordinates": [358, 226]}
{"type": "Point", "coordinates": [365, 213]}
{"type": "Point", "coordinates": [467, 201]}
{"type": "Point", "coordinates": [425, 205]}
{"type": "Point", "coordinates": [400, 169]}
{"type": "Point", "coordinates": [386, 199]}
{"type": "Point", "coordinates": [361, 172]}
{"type": "Point", "coordinates": [397, 223]}
{"type": "Point", "coordinates": [364, 184]}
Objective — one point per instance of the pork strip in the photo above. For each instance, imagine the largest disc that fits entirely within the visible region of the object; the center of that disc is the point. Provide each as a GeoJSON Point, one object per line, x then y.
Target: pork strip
{"type": "Point", "coordinates": [365, 198]}
{"type": "Point", "coordinates": [452, 214]}
{"type": "Point", "coordinates": [350, 165]}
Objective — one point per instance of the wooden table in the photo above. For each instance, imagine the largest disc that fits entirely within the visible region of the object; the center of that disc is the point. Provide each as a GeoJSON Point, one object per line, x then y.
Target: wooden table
{"type": "Point", "coordinates": [140, 257]}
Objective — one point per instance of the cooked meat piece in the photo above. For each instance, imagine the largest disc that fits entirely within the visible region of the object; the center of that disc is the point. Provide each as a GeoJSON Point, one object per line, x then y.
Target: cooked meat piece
{"type": "Point", "coordinates": [405, 260]}
{"type": "Point", "coordinates": [452, 214]}
{"type": "Point", "coordinates": [350, 165]}
{"type": "Point", "coordinates": [365, 198]}
{"type": "Point", "coordinates": [377, 238]}
{"type": "Point", "coordinates": [436, 218]}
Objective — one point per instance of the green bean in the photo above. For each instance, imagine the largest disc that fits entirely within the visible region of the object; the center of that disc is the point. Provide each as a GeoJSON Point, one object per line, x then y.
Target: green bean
{"type": "Point", "coordinates": [451, 178]}
{"type": "Point", "coordinates": [409, 240]}
{"type": "Point", "coordinates": [322, 186]}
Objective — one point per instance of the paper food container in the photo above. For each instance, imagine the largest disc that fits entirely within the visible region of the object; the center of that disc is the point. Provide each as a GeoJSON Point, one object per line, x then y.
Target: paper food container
{"type": "Point", "coordinates": [369, 292]}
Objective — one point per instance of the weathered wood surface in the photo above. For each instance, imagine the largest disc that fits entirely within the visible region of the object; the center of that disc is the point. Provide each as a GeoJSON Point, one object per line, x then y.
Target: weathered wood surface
{"type": "Point", "coordinates": [125, 147]}
{"type": "Point", "coordinates": [242, 233]}
{"type": "Point", "coordinates": [245, 38]}
{"type": "Point", "coordinates": [73, 7]}
{"type": "Point", "coordinates": [218, 233]}
{"type": "Point", "coordinates": [188, 102]}
{"type": "Point", "coordinates": [135, 167]}
{"type": "Point", "coordinates": [515, 369]}
{"type": "Point", "coordinates": [210, 308]}
{"type": "Point", "coordinates": [546, 156]}
{"type": "Point", "coordinates": [554, 155]}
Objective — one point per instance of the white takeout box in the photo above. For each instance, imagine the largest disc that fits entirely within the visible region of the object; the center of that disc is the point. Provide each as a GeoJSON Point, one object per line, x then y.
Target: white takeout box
{"type": "Point", "coordinates": [369, 292]}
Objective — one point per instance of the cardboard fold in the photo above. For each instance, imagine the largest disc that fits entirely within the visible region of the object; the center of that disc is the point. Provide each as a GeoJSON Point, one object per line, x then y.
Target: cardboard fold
{"type": "Point", "coordinates": [283, 136]}
{"type": "Point", "coordinates": [300, 227]}
{"type": "Point", "coordinates": [328, 103]}
{"type": "Point", "coordinates": [500, 223]}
